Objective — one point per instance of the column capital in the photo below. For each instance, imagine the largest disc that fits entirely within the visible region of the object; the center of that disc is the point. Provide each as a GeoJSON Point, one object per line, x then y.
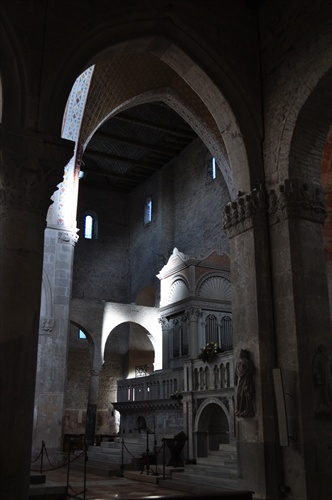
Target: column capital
{"type": "Point", "coordinates": [31, 166]}
{"type": "Point", "coordinates": [193, 314]}
{"type": "Point", "coordinates": [297, 198]}
{"type": "Point", "coordinates": [165, 323]}
{"type": "Point", "coordinates": [245, 212]}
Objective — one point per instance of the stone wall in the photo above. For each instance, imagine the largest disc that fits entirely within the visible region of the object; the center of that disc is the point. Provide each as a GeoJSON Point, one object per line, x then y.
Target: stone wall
{"type": "Point", "coordinates": [101, 265]}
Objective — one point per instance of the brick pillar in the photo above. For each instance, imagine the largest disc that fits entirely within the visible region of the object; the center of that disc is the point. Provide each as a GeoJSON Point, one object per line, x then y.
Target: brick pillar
{"type": "Point", "coordinates": [30, 167]}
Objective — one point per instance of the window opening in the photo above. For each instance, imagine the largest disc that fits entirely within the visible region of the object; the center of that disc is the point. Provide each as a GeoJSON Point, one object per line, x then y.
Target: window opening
{"type": "Point", "coordinates": [148, 211]}
{"type": "Point", "coordinates": [88, 227]}
{"type": "Point", "coordinates": [211, 170]}
{"type": "Point", "coordinates": [81, 334]}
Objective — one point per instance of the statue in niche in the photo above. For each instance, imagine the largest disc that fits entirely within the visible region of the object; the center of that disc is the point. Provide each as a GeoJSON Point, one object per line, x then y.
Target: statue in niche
{"type": "Point", "coordinates": [243, 379]}
{"type": "Point", "coordinates": [322, 375]}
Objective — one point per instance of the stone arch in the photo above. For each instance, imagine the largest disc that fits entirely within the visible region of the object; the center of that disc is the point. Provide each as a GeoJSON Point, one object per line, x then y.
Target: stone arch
{"type": "Point", "coordinates": [137, 341]}
{"type": "Point", "coordinates": [13, 76]}
{"type": "Point", "coordinates": [175, 56]}
{"type": "Point", "coordinates": [311, 132]}
{"type": "Point", "coordinates": [211, 426]}
{"type": "Point", "coordinates": [90, 340]}
{"type": "Point", "coordinates": [286, 141]}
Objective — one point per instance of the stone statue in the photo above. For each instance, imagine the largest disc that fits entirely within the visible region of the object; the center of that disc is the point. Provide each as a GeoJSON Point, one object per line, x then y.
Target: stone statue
{"type": "Point", "coordinates": [322, 375]}
{"type": "Point", "coordinates": [243, 379]}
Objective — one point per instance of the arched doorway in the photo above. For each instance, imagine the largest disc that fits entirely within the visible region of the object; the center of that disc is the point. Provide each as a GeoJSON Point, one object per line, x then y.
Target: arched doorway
{"type": "Point", "coordinates": [212, 429]}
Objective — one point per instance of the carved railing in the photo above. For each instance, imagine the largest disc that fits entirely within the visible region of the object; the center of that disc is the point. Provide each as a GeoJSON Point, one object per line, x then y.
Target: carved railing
{"type": "Point", "coordinates": [216, 374]}
{"type": "Point", "coordinates": [155, 386]}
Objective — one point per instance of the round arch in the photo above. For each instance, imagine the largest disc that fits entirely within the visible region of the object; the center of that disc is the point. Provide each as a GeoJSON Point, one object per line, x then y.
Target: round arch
{"type": "Point", "coordinates": [175, 56]}
{"type": "Point", "coordinates": [13, 76]}
{"type": "Point", "coordinates": [134, 342]}
{"type": "Point", "coordinates": [211, 426]}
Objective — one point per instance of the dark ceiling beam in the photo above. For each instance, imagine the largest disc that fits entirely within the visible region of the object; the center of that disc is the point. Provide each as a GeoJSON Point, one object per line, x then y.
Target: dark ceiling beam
{"type": "Point", "coordinates": [189, 134]}
{"type": "Point", "coordinates": [129, 161]}
{"type": "Point", "coordinates": [145, 145]}
{"type": "Point", "coordinates": [131, 178]}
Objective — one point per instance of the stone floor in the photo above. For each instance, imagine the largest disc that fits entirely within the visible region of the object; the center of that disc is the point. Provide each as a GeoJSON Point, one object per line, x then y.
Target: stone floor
{"type": "Point", "coordinates": [101, 487]}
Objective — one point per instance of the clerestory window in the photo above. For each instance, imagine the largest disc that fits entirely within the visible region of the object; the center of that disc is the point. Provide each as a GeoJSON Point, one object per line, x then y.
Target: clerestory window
{"type": "Point", "coordinates": [148, 211]}
{"type": "Point", "coordinates": [90, 226]}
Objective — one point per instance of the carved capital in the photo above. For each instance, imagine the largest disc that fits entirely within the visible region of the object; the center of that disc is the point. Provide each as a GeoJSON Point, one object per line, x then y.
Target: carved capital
{"type": "Point", "coordinates": [165, 324]}
{"type": "Point", "coordinates": [67, 237]}
{"type": "Point", "coordinates": [193, 314]}
{"type": "Point", "coordinates": [31, 166]}
{"type": "Point", "coordinates": [297, 198]}
{"type": "Point", "coordinates": [247, 211]}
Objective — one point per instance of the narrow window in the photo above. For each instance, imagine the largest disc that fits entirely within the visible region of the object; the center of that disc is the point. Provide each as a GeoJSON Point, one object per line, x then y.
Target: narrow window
{"type": "Point", "coordinates": [88, 227]}
{"type": "Point", "coordinates": [211, 169]}
{"type": "Point", "coordinates": [148, 211]}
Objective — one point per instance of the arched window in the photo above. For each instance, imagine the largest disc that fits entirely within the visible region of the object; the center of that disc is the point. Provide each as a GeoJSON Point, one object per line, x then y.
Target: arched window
{"type": "Point", "coordinates": [90, 226]}
{"type": "Point", "coordinates": [148, 211]}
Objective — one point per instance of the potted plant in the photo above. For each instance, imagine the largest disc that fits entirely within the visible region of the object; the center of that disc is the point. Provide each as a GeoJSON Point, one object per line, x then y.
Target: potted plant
{"type": "Point", "coordinates": [209, 352]}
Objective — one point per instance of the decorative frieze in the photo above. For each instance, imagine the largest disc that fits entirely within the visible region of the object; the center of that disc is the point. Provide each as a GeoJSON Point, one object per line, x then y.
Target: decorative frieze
{"type": "Point", "coordinates": [296, 198]}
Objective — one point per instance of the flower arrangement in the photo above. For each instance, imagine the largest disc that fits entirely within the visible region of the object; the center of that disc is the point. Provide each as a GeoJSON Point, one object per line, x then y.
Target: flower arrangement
{"type": "Point", "coordinates": [209, 352]}
{"type": "Point", "coordinates": [176, 395]}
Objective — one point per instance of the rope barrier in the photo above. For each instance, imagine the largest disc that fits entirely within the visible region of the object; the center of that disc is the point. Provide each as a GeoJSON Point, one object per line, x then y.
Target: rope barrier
{"type": "Point", "coordinates": [54, 467]}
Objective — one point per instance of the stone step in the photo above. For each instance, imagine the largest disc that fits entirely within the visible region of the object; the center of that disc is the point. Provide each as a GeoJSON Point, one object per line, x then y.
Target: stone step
{"type": "Point", "coordinates": [188, 482]}
{"type": "Point", "coordinates": [211, 471]}
{"type": "Point", "coordinates": [217, 461]}
{"type": "Point", "coordinates": [227, 447]}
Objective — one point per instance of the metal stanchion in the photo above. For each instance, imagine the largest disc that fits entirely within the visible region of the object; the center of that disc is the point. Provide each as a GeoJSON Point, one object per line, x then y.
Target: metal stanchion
{"type": "Point", "coordinates": [68, 468]}
{"type": "Point", "coordinates": [164, 457]}
{"type": "Point", "coordinates": [42, 457]}
{"type": "Point", "coordinates": [122, 453]}
{"type": "Point", "coordinates": [85, 461]}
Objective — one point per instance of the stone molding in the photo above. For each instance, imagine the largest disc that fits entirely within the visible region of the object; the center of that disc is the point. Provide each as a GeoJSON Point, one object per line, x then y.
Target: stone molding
{"type": "Point", "coordinates": [296, 198]}
{"type": "Point", "coordinates": [31, 166]}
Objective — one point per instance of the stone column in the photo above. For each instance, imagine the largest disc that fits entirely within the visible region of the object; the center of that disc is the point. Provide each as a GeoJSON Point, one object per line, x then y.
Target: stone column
{"type": "Point", "coordinates": [60, 239]}
{"type": "Point", "coordinates": [166, 329]}
{"type": "Point", "coordinates": [193, 315]}
{"type": "Point", "coordinates": [187, 405]}
{"type": "Point", "coordinates": [30, 168]}
{"type": "Point", "coordinates": [245, 222]}
{"type": "Point", "coordinates": [53, 340]}
{"type": "Point", "coordinates": [302, 322]}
